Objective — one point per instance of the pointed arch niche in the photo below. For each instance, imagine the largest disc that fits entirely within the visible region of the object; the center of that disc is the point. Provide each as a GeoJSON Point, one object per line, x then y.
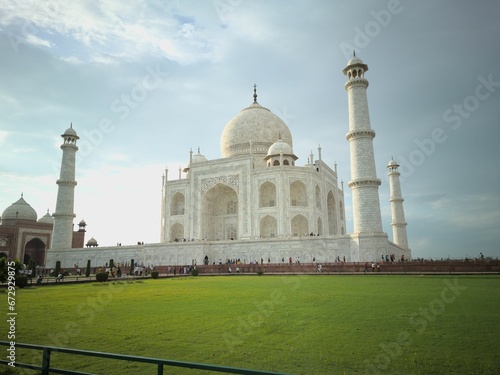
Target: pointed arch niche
{"type": "Point", "coordinates": [177, 204]}
{"type": "Point", "coordinates": [300, 226]}
{"type": "Point", "coordinates": [320, 227]}
{"type": "Point", "coordinates": [219, 213]}
{"type": "Point", "coordinates": [332, 215]}
{"type": "Point", "coordinates": [268, 227]}
{"type": "Point", "coordinates": [267, 195]}
{"type": "Point", "coordinates": [176, 232]}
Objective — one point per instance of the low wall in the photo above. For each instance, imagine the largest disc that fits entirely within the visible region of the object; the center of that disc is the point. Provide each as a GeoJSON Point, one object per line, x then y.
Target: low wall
{"type": "Point", "coordinates": [335, 268]}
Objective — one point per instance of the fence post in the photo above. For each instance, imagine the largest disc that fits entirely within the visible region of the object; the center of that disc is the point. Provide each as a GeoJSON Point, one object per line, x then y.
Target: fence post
{"type": "Point", "coordinates": [160, 369]}
{"type": "Point", "coordinates": [46, 361]}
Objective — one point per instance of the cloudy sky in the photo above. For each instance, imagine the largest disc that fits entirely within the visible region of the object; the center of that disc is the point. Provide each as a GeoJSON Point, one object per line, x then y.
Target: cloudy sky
{"type": "Point", "coordinates": [145, 81]}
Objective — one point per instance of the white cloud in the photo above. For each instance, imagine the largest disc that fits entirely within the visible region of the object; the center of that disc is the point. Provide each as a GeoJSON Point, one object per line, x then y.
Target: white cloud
{"type": "Point", "coordinates": [98, 54]}
{"type": "Point", "coordinates": [3, 135]}
{"type": "Point", "coordinates": [34, 40]}
{"type": "Point", "coordinates": [72, 60]}
{"type": "Point", "coordinates": [102, 59]}
{"type": "Point", "coordinates": [127, 30]}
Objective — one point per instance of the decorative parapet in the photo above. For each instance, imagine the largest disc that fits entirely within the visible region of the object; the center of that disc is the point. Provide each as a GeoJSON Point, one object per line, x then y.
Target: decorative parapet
{"type": "Point", "coordinates": [356, 82]}
{"type": "Point", "coordinates": [364, 182]}
{"type": "Point", "coordinates": [231, 181]}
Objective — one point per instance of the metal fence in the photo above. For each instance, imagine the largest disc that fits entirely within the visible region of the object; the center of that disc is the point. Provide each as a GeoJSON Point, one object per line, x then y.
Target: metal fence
{"type": "Point", "coordinates": [46, 369]}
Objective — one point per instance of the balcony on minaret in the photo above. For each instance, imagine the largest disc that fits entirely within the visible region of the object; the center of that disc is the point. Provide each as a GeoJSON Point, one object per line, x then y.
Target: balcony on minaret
{"type": "Point", "coordinates": [393, 166]}
{"type": "Point", "coordinates": [70, 137]}
{"type": "Point", "coordinates": [81, 226]}
{"type": "Point", "coordinates": [355, 69]}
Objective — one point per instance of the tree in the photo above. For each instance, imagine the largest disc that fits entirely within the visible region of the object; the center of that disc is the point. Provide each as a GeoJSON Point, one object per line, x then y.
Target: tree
{"type": "Point", "coordinates": [32, 267]}
{"type": "Point", "coordinates": [131, 267]}
{"type": "Point", "coordinates": [4, 268]}
{"type": "Point", "coordinates": [58, 268]}
{"type": "Point", "coordinates": [87, 270]}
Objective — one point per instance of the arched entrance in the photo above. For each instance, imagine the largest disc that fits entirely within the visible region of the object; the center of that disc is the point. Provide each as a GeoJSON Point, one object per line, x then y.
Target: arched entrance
{"type": "Point", "coordinates": [220, 214]}
{"type": "Point", "coordinates": [35, 249]}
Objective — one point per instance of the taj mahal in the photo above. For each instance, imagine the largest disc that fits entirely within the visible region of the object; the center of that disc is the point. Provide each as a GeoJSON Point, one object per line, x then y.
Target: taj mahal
{"type": "Point", "coordinates": [253, 203]}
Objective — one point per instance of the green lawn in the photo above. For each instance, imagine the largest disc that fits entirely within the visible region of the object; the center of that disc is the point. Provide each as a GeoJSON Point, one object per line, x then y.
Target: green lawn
{"type": "Point", "coordinates": [294, 324]}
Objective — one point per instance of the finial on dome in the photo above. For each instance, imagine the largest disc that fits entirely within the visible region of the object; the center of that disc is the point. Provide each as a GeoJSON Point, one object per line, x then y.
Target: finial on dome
{"type": "Point", "coordinates": [254, 93]}
{"type": "Point", "coordinates": [353, 53]}
{"type": "Point", "coordinates": [71, 125]}
{"type": "Point", "coordinates": [21, 195]}
{"type": "Point", "coordinates": [198, 149]}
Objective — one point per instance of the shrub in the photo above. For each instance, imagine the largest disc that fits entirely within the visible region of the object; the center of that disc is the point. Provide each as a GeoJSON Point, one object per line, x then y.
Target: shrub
{"type": "Point", "coordinates": [21, 281]}
{"type": "Point", "coordinates": [155, 274]}
{"type": "Point", "coordinates": [194, 272]}
{"type": "Point", "coordinates": [101, 276]}
{"type": "Point", "coordinates": [111, 263]}
{"type": "Point", "coordinates": [131, 267]}
{"type": "Point", "coordinates": [260, 272]}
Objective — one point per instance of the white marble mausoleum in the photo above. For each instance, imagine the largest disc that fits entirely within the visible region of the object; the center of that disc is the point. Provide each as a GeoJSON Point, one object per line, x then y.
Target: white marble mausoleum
{"type": "Point", "coordinates": [256, 202]}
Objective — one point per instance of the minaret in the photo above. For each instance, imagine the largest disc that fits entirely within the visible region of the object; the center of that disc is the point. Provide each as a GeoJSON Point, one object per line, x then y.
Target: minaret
{"type": "Point", "coordinates": [62, 237]}
{"type": "Point", "coordinates": [398, 216]}
{"type": "Point", "coordinates": [364, 182]}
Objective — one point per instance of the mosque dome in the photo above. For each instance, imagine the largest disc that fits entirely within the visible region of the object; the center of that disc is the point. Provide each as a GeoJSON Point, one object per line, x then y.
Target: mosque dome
{"type": "Point", "coordinates": [280, 147]}
{"type": "Point", "coordinates": [19, 210]}
{"type": "Point", "coordinates": [256, 125]}
{"type": "Point", "coordinates": [46, 219]}
{"type": "Point", "coordinates": [92, 242]}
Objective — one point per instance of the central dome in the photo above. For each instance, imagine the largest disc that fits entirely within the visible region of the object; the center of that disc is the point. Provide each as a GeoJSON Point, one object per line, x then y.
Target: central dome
{"type": "Point", "coordinates": [256, 125]}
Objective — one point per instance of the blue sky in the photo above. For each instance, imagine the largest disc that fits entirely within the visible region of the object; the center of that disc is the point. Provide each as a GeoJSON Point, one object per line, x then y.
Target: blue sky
{"type": "Point", "coordinates": [143, 82]}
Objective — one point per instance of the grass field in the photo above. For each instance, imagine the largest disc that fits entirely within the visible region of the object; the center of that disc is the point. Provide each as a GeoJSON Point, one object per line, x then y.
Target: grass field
{"type": "Point", "coordinates": [292, 324]}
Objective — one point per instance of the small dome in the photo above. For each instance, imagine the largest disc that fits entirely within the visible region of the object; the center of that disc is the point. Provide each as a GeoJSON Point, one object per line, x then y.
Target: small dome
{"type": "Point", "coordinates": [197, 158]}
{"type": "Point", "coordinates": [278, 147]}
{"type": "Point", "coordinates": [92, 242]}
{"type": "Point", "coordinates": [46, 219]}
{"type": "Point", "coordinates": [354, 60]}
{"type": "Point", "coordinates": [393, 163]}
{"type": "Point", "coordinates": [82, 223]}
{"type": "Point", "coordinates": [70, 131]}
{"type": "Point", "coordinates": [19, 210]}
